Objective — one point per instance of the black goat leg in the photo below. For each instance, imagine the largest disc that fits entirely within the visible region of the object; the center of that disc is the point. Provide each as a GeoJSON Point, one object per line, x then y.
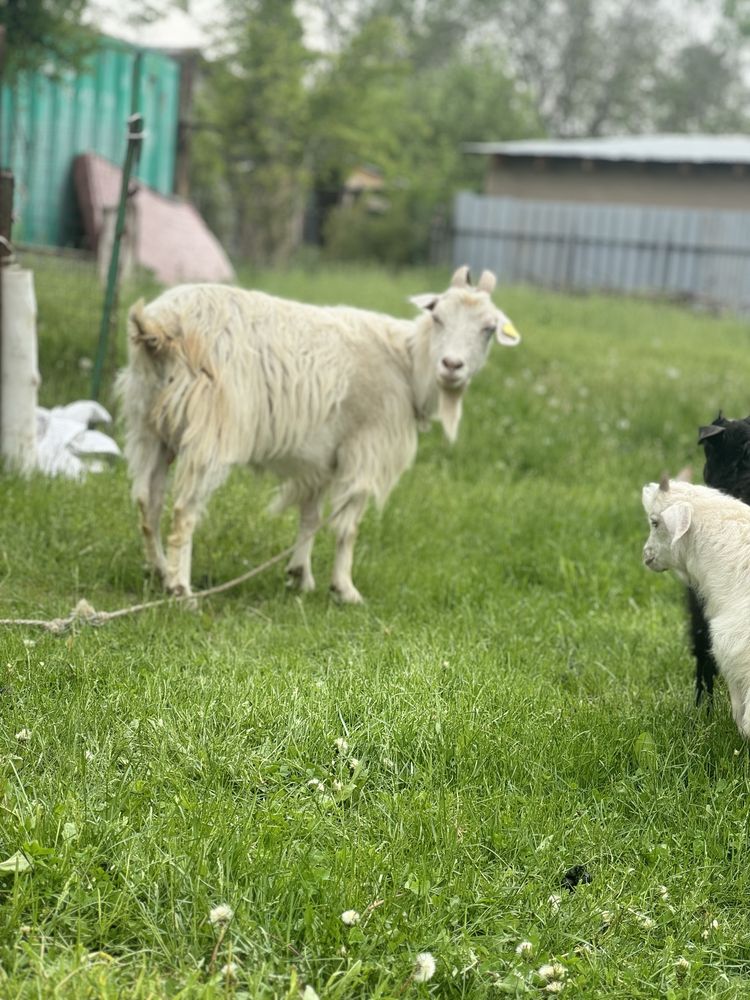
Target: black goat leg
{"type": "Point", "coordinates": [705, 664]}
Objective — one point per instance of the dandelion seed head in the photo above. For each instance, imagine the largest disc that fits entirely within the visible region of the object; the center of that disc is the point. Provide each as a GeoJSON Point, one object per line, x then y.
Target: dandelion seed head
{"type": "Point", "coordinates": [424, 967]}
{"type": "Point", "coordinates": [221, 914]}
{"type": "Point", "coordinates": [350, 917]}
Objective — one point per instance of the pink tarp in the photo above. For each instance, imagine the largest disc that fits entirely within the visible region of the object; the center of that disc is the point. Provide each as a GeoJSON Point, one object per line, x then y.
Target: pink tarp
{"type": "Point", "coordinates": [172, 240]}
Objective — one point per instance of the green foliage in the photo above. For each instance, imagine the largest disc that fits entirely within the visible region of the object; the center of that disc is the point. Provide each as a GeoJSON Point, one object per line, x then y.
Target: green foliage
{"type": "Point", "coordinates": [517, 693]}
{"type": "Point", "coordinates": [43, 32]}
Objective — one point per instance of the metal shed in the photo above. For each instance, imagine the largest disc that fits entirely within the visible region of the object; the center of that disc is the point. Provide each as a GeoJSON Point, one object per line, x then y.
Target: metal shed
{"type": "Point", "coordinates": [50, 116]}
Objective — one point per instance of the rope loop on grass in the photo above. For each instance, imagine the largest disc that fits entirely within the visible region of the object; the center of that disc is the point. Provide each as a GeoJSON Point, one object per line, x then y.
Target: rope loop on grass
{"type": "Point", "coordinates": [85, 614]}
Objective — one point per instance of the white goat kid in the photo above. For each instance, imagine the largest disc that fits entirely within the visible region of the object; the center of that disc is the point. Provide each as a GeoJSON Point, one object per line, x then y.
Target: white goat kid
{"type": "Point", "coordinates": [703, 536]}
{"type": "Point", "coordinates": [329, 398]}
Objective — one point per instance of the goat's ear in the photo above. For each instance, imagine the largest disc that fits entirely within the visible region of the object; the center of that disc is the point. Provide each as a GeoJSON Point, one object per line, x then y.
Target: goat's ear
{"type": "Point", "coordinates": [506, 334]}
{"type": "Point", "coordinates": [428, 301]}
{"type": "Point", "coordinates": [685, 475]}
{"type": "Point", "coordinates": [708, 432]}
{"type": "Point", "coordinates": [677, 519]}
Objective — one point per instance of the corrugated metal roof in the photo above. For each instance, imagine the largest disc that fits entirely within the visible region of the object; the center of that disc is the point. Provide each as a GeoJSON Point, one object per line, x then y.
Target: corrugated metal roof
{"type": "Point", "coordinates": [660, 148]}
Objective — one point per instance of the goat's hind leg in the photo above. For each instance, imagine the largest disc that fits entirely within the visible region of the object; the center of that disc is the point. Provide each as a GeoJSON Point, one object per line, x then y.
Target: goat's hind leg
{"type": "Point", "coordinates": [299, 568]}
{"type": "Point", "coordinates": [194, 484]}
{"type": "Point", "coordinates": [150, 464]}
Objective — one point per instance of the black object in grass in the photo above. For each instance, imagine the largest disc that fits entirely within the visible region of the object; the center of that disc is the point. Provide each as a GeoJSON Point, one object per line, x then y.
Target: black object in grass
{"type": "Point", "coordinates": [574, 876]}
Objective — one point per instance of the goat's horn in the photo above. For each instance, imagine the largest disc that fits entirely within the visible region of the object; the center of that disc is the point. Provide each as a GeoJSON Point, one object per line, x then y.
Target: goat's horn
{"type": "Point", "coordinates": [487, 282]}
{"type": "Point", "coordinates": [664, 482]}
{"type": "Point", "coordinates": [461, 278]}
{"type": "Point", "coordinates": [685, 475]}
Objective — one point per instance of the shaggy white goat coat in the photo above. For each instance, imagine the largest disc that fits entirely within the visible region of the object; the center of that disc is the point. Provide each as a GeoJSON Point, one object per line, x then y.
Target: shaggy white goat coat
{"type": "Point", "coordinates": [326, 397]}
{"type": "Point", "coordinates": [703, 536]}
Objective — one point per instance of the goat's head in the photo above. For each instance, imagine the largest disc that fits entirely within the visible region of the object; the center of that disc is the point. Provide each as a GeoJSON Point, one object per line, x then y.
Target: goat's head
{"type": "Point", "coordinates": [670, 515]}
{"type": "Point", "coordinates": [464, 323]}
{"type": "Point", "coordinates": [727, 447]}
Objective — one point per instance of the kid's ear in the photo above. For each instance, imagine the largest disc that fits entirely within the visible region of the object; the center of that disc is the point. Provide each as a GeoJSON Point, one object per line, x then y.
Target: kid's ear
{"type": "Point", "coordinates": [427, 301]}
{"type": "Point", "coordinates": [677, 520]}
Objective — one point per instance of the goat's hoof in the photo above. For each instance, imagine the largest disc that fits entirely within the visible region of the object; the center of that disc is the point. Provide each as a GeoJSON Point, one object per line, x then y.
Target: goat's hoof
{"type": "Point", "coordinates": [298, 578]}
{"type": "Point", "coordinates": [184, 592]}
{"type": "Point", "coordinates": [347, 594]}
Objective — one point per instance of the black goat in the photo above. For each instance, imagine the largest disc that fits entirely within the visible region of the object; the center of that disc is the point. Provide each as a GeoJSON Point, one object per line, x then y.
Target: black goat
{"type": "Point", "coordinates": [727, 447]}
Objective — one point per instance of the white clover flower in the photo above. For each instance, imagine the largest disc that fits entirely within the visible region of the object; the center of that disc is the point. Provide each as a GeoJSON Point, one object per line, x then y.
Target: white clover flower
{"type": "Point", "coordinates": [316, 784]}
{"type": "Point", "coordinates": [681, 965]}
{"type": "Point", "coordinates": [23, 736]}
{"type": "Point", "coordinates": [554, 902]}
{"type": "Point", "coordinates": [221, 914]}
{"type": "Point", "coordinates": [646, 922]}
{"type": "Point", "coordinates": [554, 971]}
{"type": "Point", "coordinates": [424, 968]}
{"type": "Point", "coordinates": [338, 786]}
{"type": "Point", "coordinates": [341, 745]}
{"type": "Point", "coordinates": [309, 993]}
{"type": "Point", "coordinates": [29, 643]}
{"type": "Point", "coordinates": [350, 917]}
{"type": "Point", "coordinates": [353, 763]}
{"type": "Point", "coordinates": [89, 755]}
{"type": "Point", "coordinates": [663, 893]}
{"type": "Point", "coordinates": [390, 764]}
{"type": "Point", "coordinates": [714, 925]}
{"type": "Point", "coordinates": [554, 987]}
{"type": "Point", "coordinates": [607, 917]}
{"type": "Point", "coordinates": [525, 949]}
{"type": "Point", "coordinates": [230, 971]}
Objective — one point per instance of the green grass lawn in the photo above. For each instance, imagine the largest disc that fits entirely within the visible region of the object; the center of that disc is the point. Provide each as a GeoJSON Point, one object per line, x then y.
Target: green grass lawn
{"type": "Point", "coordinates": [516, 696]}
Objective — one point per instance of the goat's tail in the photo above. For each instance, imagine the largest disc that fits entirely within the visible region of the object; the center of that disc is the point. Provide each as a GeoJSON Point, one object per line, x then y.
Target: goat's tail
{"type": "Point", "coordinates": [147, 334]}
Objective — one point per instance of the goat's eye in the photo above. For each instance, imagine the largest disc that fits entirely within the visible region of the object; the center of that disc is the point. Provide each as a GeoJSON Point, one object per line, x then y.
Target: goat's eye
{"type": "Point", "coordinates": [489, 331]}
{"type": "Point", "coordinates": [654, 521]}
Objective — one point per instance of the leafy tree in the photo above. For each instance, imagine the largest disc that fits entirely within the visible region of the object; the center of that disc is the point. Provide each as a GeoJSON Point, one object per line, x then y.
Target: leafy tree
{"type": "Point", "coordinates": [255, 147]}
{"type": "Point", "coordinates": [42, 31]}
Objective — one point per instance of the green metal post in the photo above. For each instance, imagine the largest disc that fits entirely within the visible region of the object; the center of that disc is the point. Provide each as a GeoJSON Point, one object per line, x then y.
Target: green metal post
{"type": "Point", "coordinates": [135, 138]}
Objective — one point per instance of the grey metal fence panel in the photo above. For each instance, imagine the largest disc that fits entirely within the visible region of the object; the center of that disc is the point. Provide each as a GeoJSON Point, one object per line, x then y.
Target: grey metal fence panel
{"type": "Point", "coordinates": [697, 254]}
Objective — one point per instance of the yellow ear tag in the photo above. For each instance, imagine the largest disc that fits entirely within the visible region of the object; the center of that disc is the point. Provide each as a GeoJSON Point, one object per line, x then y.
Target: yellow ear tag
{"type": "Point", "coordinates": [510, 330]}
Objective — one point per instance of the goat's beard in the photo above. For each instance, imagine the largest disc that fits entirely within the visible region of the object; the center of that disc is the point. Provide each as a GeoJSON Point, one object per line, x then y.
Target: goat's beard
{"type": "Point", "coordinates": [450, 404]}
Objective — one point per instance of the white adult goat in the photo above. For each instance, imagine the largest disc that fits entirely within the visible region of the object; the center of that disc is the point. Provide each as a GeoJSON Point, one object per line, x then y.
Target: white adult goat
{"type": "Point", "coordinates": [703, 536]}
{"type": "Point", "coordinates": [326, 397]}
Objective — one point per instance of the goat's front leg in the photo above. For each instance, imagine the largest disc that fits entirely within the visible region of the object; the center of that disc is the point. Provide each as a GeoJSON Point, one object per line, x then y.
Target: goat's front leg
{"type": "Point", "coordinates": [345, 528]}
{"type": "Point", "coordinates": [299, 568]}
